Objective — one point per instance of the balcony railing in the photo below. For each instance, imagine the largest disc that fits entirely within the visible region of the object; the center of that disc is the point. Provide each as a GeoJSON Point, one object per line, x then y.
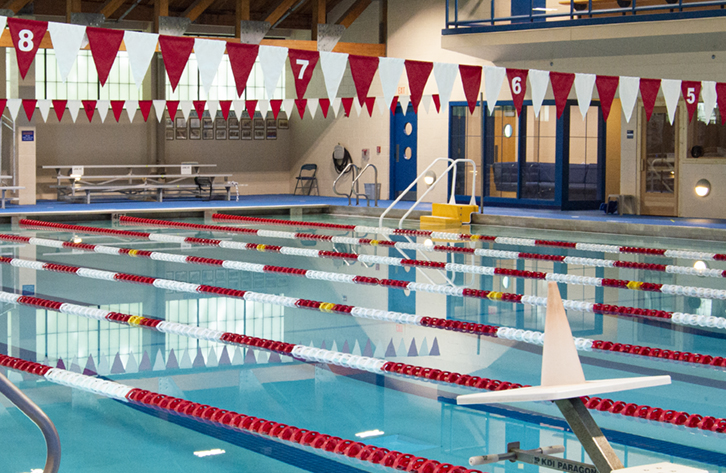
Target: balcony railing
{"type": "Point", "coordinates": [501, 15]}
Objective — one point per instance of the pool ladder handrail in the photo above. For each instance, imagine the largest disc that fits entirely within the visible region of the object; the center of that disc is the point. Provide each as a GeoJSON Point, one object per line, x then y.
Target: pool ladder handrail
{"type": "Point", "coordinates": [375, 186]}
{"type": "Point", "coordinates": [452, 199]}
{"type": "Point", "coordinates": [355, 170]}
{"type": "Point", "coordinates": [36, 414]}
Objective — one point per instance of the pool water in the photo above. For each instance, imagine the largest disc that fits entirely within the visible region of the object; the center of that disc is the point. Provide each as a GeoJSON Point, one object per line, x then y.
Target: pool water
{"type": "Point", "coordinates": [99, 434]}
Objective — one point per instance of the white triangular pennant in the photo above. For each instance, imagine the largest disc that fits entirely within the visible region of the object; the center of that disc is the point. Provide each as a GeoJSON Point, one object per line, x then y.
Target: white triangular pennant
{"type": "Point", "coordinates": [13, 107]}
{"type": "Point", "coordinates": [239, 107]}
{"type": "Point", "coordinates": [358, 107]}
{"type": "Point", "coordinates": [67, 41]}
{"type": "Point", "coordinates": [212, 107]}
{"type": "Point", "coordinates": [44, 107]}
{"type": "Point", "coordinates": [159, 106]}
{"type": "Point", "coordinates": [493, 80]}
{"type": "Point", "coordinates": [3, 23]}
{"type": "Point", "coordinates": [209, 53]}
{"type": "Point", "coordinates": [74, 107]}
{"type": "Point", "coordinates": [313, 106]}
{"type": "Point", "coordinates": [131, 106]}
{"type": "Point", "coordinates": [289, 106]}
{"type": "Point", "coordinates": [628, 89]}
{"type": "Point", "coordinates": [272, 60]}
{"type": "Point", "coordinates": [333, 66]}
{"type": "Point", "coordinates": [404, 100]}
{"type": "Point", "coordinates": [102, 107]}
{"type": "Point", "coordinates": [445, 75]}
{"type": "Point", "coordinates": [538, 81]}
{"type": "Point", "coordinates": [140, 48]}
{"type": "Point", "coordinates": [389, 71]}
{"type": "Point", "coordinates": [708, 93]}
{"type": "Point", "coordinates": [335, 105]}
{"type": "Point", "coordinates": [584, 84]}
{"type": "Point", "coordinates": [185, 107]}
{"type": "Point", "coordinates": [672, 92]}
{"type": "Point", "coordinates": [263, 106]}
{"type": "Point", "coordinates": [426, 102]}
{"type": "Point", "coordinates": [382, 106]}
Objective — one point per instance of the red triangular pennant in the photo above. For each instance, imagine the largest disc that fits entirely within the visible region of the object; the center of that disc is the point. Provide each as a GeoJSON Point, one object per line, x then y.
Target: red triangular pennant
{"type": "Point", "coordinates": [145, 107]}
{"type": "Point", "coordinates": [300, 104]}
{"type": "Point", "coordinates": [241, 58]}
{"type": "Point", "coordinates": [29, 106]}
{"type": "Point", "coordinates": [302, 64]}
{"type": "Point", "coordinates": [199, 107]}
{"type": "Point", "coordinates": [118, 107]}
{"type": "Point", "coordinates": [104, 43]}
{"type": "Point", "coordinates": [370, 103]}
{"type": "Point", "coordinates": [3, 104]}
{"type": "Point", "coordinates": [471, 80]}
{"type": "Point", "coordinates": [394, 104]}
{"type": "Point", "coordinates": [606, 87]}
{"type": "Point", "coordinates": [172, 106]}
{"type": "Point", "coordinates": [561, 86]}
{"type": "Point", "coordinates": [347, 105]}
{"type": "Point", "coordinates": [518, 86]}
{"type": "Point", "coordinates": [648, 92]}
{"type": "Point", "coordinates": [362, 68]}
{"type": "Point", "coordinates": [250, 106]}
{"type": "Point", "coordinates": [175, 50]}
{"type": "Point", "coordinates": [324, 106]}
{"type": "Point", "coordinates": [275, 107]}
{"type": "Point", "coordinates": [225, 105]}
{"type": "Point", "coordinates": [26, 36]}
{"type": "Point", "coordinates": [437, 103]}
{"type": "Point", "coordinates": [90, 108]}
{"type": "Point", "coordinates": [60, 107]}
{"type": "Point", "coordinates": [721, 100]}
{"type": "Point", "coordinates": [418, 73]}
{"type": "Point", "coordinates": [691, 90]}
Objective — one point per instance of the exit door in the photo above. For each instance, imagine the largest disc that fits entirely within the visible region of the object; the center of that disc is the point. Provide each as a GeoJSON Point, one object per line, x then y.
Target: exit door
{"type": "Point", "coordinates": [404, 136]}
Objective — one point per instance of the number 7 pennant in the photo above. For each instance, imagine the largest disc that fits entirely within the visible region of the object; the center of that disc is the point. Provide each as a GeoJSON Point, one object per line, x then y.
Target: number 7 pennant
{"type": "Point", "coordinates": [26, 36]}
{"type": "Point", "coordinates": [302, 64]}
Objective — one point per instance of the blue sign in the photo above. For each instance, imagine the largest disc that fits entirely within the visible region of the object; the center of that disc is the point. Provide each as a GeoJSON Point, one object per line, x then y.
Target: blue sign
{"type": "Point", "coordinates": [28, 289]}
{"type": "Point", "coordinates": [28, 135]}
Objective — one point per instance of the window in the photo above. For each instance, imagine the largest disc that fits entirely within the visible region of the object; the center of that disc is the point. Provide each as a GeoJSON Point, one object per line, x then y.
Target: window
{"type": "Point", "coordinates": [465, 133]}
{"type": "Point", "coordinates": [706, 136]}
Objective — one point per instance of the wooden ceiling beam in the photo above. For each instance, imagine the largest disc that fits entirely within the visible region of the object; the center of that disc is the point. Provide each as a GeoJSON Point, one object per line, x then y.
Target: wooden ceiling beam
{"type": "Point", "coordinates": [196, 9]}
{"type": "Point", "coordinates": [280, 10]}
{"type": "Point", "coordinates": [241, 13]}
{"type": "Point", "coordinates": [319, 17]}
{"type": "Point", "coordinates": [109, 7]}
{"type": "Point", "coordinates": [354, 12]}
{"type": "Point", "coordinates": [16, 5]}
{"type": "Point", "coordinates": [72, 6]}
{"type": "Point", "coordinates": [161, 8]}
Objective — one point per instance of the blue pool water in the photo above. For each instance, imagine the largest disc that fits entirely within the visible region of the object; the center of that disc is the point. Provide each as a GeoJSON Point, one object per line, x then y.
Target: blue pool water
{"type": "Point", "coordinates": [99, 434]}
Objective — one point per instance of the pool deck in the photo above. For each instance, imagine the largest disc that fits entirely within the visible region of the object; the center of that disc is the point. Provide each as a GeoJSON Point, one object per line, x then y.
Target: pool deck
{"type": "Point", "coordinates": [295, 205]}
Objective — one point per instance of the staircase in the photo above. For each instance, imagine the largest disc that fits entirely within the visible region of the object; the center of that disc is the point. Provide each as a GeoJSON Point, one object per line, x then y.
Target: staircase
{"type": "Point", "coordinates": [448, 215]}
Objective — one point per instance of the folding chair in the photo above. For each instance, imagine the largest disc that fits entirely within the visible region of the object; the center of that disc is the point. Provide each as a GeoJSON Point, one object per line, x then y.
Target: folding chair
{"type": "Point", "coordinates": [307, 181]}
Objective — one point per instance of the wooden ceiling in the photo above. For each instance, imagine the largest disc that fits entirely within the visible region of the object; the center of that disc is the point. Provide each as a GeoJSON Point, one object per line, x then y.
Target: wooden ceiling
{"type": "Point", "coordinates": [285, 14]}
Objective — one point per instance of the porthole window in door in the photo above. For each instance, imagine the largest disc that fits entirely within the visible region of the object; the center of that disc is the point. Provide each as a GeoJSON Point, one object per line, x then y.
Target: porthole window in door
{"type": "Point", "coordinates": [408, 129]}
{"type": "Point", "coordinates": [407, 153]}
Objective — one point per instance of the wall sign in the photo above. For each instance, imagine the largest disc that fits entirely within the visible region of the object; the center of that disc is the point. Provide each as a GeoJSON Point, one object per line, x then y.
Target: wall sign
{"type": "Point", "coordinates": [27, 135]}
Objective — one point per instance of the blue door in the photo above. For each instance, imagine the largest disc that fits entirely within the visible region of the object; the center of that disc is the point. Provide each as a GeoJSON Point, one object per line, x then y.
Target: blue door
{"type": "Point", "coordinates": [404, 136]}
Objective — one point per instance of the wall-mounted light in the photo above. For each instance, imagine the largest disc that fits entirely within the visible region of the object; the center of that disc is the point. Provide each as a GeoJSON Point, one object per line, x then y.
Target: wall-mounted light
{"type": "Point", "coordinates": [703, 188]}
{"type": "Point", "coordinates": [429, 178]}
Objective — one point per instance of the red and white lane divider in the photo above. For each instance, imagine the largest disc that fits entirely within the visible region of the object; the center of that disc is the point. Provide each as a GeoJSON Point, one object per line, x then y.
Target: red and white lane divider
{"type": "Point", "coordinates": [687, 254]}
{"type": "Point", "coordinates": [499, 254]}
{"type": "Point", "coordinates": [232, 420]}
{"type": "Point", "coordinates": [673, 289]}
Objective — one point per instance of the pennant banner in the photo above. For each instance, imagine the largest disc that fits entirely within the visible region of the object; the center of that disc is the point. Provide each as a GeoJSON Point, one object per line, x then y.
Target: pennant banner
{"type": "Point", "coordinates": [102, 107]}
{"type": "Point", "coordinates": [370, 105]}
{"type": "Point", "coordinates": [175, 50]}
{"type": "Point", "coordinates": [389, 72]}
{"type": "Point", "coordinates": [606, 88]}
{"type": "Point", "coordinates": [145, 107]}
{"type": "Point", "coordinates": [29, 107]}
{"type": "Point", "coordinates": [59, 106]}
{"type": "Point", "coordinates": [159, 106]}
{"type": "Point", "coordinates": [118, 107]}
{"type": "Point", "coordinates": [74, 106]}
{"type": "Point", "coordinates": [324, 106]}
{"type": "Point", "coordinates": [185, 107]}
{"type": "Point", "coordinates": [362, 68]}
{"type": "Point", "coordinates": [44, 107]}
{"type": "Point", "coordinates": [691, 91]}
{"type": "Point", "coordinates": [671, 93]}
{"type": "Point", "coordinates": [584, 84]}
{"type": "Point", "coordinates": [335, 105]}
{"type": "Point", "coordinates": [561, 86]}
{"type": "Point", "coordinates": [67, 40]}
{"type": "Point", "coordinates": [302, 64]}
{"type": "Point", "coordinates": [333, 67]}
{"type": "Point", "coordinates": [720, 100]}
{"type": "Point", "coordinates": [104, 44]}
{"type": "Point", "coordinates": [347, 105]}
{"type": "Point", "coordinates": [518, 86]}
{"type": "Point", "coordinates": [131, 106]}
{"type": "Point", "coordinates": [300, 104]}
{"type": "Point", "coordinates": [493, 79]}
{"type": "Point", "coordinates": [708, 92]}
{"type": "Point", "coordinates": [14, 107]}
{"type": "Point", "coordinates": [272, 61]}
{"type": "Point", "coordinates": [418, 73]}
{"type": "Point", "coordinates": [250, 106]}
{"type": "Point", "coordinates": [539, 80]}
{"type": "Point", "coordinates": [140, 48]}
{"type": "Point", "coordinates": [89, 106]}
{"type": "Point", "coordinates": [628, 95]}
{"type": "Point", "coordinates": [241, 59]}
{"type": "Point", "coordinates": [312, 106]}
{"type": "Point", "coordinates": [648, 92]}
{"type": "Point", "coordinates": [225, 106]}
{"type": "Point", "coordinates": [199, 107]}
{"type": "Point", "coordinates": [26, 36]}
{"type": "Point", "coordinates": [445, 75]}
{"type": "Point", "coordinates": [209, 53]}
{"type": "Point", "coordinates": [471, 80]}
{"type": "Point", "coordinates": [212, 107]}
{"type": "Point", "coordinates": [437, 102]}
{"type": "Point", "coordinates": [275, 107]}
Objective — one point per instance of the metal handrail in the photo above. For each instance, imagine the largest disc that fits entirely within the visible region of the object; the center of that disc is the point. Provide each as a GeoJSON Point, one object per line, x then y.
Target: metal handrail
{"type": "Point", "coordinates": [375, 183]}
{"type": "Point", "coordinates": [335, 183]}
{"type": "Point", "coordinates": [30, 409]}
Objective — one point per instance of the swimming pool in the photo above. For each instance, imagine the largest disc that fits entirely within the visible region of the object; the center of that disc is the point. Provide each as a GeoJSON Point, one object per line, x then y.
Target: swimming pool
{"type": "Point", "coordinates": [412, 416]}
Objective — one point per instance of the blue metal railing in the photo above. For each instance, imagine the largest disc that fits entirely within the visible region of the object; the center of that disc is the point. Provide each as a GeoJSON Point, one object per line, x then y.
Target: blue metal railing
{"type": "Point", "coordinates": [579, 13]}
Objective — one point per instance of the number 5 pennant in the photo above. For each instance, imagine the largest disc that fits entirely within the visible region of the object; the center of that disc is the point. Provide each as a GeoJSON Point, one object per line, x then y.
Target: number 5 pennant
{"type": "Point", "coordinates": [26, 36]}
{"type": "Point", "coordinates": [302, 64]}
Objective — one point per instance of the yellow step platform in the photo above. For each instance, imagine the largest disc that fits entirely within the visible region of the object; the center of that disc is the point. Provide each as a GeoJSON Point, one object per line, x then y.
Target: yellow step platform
{"type": "Point", "coordinates": [462, 213]}
{"type": "Point", "coordinates": [429, 221]}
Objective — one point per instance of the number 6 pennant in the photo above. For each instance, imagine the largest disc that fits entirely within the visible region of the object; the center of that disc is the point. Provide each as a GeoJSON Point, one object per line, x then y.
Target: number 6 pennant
{"type": "Point", "coordinates": [518, 85]}
{"type": "Point", "coordinates": [26, 36]}
{"type": "Point", "coordinates": [302, 64]}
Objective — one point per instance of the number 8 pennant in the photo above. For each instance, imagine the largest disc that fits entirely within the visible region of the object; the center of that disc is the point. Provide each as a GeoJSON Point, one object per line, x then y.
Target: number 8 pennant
{"type": "Point", "coordinates": [26, 36]}
{"type": "Point", "coordinates": [302, 64]}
